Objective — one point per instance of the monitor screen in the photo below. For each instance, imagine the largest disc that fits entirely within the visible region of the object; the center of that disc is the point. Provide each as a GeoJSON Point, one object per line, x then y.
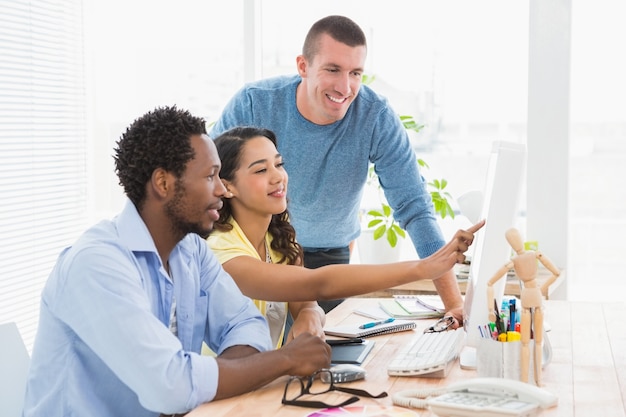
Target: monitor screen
{"type": "Point", "coordinates": [500, 207]}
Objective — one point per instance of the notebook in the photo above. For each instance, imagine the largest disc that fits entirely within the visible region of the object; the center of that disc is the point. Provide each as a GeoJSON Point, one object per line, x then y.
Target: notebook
{"type": "Point", "coordinates": [410, 307]}
{"type": "Point", "coordinates": [353, 330]}
{"type": "Point", "coordinates": [413, 303]}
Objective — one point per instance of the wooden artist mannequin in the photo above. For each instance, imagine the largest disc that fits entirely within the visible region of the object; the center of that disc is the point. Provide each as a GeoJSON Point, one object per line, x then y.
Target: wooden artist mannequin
{"type": "Point", "coordinates": [525, 265]}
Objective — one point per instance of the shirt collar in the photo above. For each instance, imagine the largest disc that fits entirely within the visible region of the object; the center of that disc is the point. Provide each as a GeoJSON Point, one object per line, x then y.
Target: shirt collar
{"type": "Point", "coordinates": [132, 230]}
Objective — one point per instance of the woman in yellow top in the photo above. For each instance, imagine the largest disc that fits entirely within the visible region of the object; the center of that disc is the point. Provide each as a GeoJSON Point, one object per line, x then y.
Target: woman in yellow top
{"type": "Point", "coordinates": [257, 245]}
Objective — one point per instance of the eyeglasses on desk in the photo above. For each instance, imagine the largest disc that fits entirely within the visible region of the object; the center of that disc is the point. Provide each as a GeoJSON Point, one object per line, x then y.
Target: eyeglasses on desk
{"type": "Point", "coordinates": [320, 382]}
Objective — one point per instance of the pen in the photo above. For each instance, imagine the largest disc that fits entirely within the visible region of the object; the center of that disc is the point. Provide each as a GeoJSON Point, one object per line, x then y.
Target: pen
{"type": "Point", "coordinates": [376, 323]}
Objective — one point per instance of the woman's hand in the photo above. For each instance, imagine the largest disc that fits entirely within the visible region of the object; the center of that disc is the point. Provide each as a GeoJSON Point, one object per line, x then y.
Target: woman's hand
{"type": "Point", "coordinates": [453, 252]}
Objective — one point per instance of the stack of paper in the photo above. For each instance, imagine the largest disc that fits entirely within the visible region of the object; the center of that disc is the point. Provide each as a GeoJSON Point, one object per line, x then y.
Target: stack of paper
{"type": "Point", "coordinates": [413, 306]}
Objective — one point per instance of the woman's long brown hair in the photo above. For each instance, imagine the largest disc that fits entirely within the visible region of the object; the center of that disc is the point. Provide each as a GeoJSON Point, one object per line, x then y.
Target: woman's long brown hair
{"type": "Point", "coordinates": [230, 147]}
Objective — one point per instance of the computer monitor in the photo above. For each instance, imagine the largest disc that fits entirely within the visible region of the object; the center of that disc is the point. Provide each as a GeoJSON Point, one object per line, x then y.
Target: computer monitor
{"type": "Point", "coordinates": [500, 208]}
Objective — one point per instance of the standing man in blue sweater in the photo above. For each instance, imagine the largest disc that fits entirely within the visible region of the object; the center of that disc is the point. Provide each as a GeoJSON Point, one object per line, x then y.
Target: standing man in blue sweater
{"type": "Point", "coordinates": [329, 127]}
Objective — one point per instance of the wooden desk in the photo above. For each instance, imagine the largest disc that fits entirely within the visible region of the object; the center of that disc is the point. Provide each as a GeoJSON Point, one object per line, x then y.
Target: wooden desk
{"type": "Point", "coordinates": [586, 372]}
{"type": "Point", "coordinates": [512, 286]}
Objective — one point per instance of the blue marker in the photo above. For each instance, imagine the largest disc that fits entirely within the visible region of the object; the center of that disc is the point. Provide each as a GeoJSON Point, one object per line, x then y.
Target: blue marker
{"type": "Point", "coordinates": [512, 314]}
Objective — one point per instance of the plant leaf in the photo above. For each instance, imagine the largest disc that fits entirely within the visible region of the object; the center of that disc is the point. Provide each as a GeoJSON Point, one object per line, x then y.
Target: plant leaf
{"type": "Point", "coordinates": [392, 238]}
{"type": "Point", "coordinates": [450, 210]}
{"type": "Point", "coordinates": [379, 232]}
{"type": "Point", "coordinates": [409, 123]}
{"type": "Point", "coordinates": [368, 79]}
{"type": "Point", "coordinates": [373, 223]}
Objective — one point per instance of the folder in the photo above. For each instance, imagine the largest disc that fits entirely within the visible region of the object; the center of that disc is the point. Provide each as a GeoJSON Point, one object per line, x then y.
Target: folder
{"type": "Point", "coordinates": [353, 330]}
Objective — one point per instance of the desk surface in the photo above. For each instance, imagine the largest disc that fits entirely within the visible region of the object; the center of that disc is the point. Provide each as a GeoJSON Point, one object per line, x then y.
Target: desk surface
{"type": "Point", "coordinates": [586, 372]}
{"type": "Point", "coordinates": [512, 285]}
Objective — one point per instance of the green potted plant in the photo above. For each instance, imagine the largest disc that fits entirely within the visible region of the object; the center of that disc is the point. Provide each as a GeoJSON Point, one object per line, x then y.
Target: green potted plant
{"type": "Point", "coordinates": [381, 219]}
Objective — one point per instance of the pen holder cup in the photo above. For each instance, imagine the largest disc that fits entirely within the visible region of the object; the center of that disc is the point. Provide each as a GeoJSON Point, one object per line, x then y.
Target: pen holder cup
{"type": "Point", "coordinates": [503, 359]}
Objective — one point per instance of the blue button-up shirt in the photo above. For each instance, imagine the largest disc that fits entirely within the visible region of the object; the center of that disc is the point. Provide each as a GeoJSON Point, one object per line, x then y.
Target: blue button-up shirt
{"type": "Point", "coordinates": [103, 346]}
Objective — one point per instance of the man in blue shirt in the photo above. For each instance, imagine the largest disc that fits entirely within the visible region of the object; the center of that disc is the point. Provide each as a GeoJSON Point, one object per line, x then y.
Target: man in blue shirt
{"type": "Point", "coordinates": [329, 127]}
{"type": "Point", "coordinates": [127, 307]}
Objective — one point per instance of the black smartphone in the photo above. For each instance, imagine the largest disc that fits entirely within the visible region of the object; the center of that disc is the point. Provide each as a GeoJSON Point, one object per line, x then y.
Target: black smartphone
{"type": "Point", "coordinates": [338, 342]}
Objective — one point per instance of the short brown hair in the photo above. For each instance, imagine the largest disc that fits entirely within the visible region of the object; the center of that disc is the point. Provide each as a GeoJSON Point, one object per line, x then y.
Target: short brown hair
{"type": "Point", "coordinates": [340, 28]}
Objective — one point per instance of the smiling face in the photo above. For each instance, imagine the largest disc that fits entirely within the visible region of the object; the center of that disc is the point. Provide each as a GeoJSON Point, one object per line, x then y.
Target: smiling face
{"type": "Point", "coordinates": [330, 81]}
{"type": "Point", "coordinates": [259, 185]}
{"type": "Point", "coordinates": [198, 192]}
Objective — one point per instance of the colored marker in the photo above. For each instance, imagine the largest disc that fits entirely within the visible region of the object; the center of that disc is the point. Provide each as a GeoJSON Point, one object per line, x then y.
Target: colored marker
{"type": "Point", "coordinates": [504, 314]}
{"type": "Point", "coordinates": [512, 314]}
{"type": "Point", "coordinates": [499, 325]}
{"type": "Point", "coordinates": [513, 336]}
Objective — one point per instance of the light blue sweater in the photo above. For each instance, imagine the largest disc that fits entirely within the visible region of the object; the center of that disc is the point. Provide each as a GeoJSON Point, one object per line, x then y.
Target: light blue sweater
{"type": "Point", "coordinates": [327, 165]}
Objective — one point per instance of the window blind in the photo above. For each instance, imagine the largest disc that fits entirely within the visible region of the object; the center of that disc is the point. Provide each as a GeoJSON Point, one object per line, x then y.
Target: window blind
{"type": "Point", "coordinates": [42, 148]}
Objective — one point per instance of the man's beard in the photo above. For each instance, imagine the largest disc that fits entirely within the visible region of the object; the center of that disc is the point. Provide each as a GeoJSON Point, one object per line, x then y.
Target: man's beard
{"type": "Point", "coordinates": [175, 209]}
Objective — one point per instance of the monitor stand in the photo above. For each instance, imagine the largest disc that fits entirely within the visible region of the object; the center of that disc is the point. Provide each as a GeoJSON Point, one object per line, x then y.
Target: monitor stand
{"type": "Point", "coordinates": [467, 358]}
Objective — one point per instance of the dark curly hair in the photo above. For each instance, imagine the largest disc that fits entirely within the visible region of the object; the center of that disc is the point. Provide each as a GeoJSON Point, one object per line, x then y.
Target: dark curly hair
{"type": "Point", "coordinates": [229, 147]}
{"type": "Point", "coordinates": [159, 139]}
{"type": "Point", "coordinates": [340, 28]}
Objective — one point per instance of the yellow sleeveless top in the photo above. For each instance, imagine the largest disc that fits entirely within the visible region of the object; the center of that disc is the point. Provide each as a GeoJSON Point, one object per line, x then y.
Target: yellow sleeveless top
{"type": "Point", "coordinates": [234, 243]}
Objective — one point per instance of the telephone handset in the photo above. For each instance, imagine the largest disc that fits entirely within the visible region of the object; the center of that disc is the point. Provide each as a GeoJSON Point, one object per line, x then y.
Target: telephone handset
{"type": "Point", "coordinates": [480, 397]}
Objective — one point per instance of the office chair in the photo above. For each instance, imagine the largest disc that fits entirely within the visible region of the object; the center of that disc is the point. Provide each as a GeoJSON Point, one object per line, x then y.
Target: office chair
{"type": "Point", "coordinates": [14, 362]}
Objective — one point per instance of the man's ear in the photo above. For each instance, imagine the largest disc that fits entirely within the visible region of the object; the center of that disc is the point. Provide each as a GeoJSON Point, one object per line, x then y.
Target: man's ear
{"type": "Point", "coordinates": [301, 65]}
{"type": "Point", "coordinates": [162, 182]}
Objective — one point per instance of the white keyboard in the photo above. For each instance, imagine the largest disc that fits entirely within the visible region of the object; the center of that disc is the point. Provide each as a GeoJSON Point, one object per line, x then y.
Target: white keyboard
{"type": "Point", "coordinates": [428, 354]}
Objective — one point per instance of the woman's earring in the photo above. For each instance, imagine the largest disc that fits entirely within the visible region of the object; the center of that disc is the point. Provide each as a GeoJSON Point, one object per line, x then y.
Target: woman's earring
{"type": "Point", "coordinates": [229, 194]}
